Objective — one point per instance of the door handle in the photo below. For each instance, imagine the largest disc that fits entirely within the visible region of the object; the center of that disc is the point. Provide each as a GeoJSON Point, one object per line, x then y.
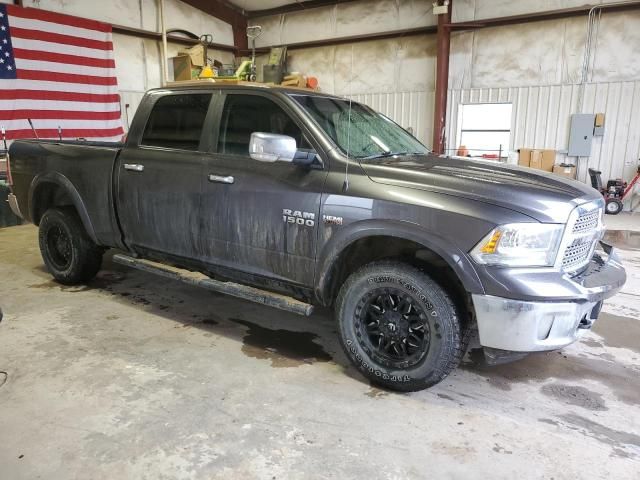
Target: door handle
{"type": "Point", "coordinates": [136, 167]}
{"type": "Point", "coordinates": [228, 179]}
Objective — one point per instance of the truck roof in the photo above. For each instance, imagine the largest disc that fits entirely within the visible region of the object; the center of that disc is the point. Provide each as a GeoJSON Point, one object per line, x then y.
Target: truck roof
{"type": "Point", "coordinates": [212, 85]}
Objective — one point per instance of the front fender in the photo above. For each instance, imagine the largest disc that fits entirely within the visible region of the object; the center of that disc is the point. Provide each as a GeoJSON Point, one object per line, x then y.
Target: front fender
{"type": "Point", "coordinates": [64, 183]}
{"type": "Point", "coordinates": [452, 255]}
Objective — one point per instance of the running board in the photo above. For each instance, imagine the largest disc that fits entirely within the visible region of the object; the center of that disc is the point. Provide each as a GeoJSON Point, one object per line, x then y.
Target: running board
{"type": "Point", "coordinates": [252, 294]}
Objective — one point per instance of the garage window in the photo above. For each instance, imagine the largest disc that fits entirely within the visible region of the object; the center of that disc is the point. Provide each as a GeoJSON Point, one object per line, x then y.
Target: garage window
{"type": "Point", "coordinates": [485, 129]}
{"type": "Point", "coordinates": [176, 121]}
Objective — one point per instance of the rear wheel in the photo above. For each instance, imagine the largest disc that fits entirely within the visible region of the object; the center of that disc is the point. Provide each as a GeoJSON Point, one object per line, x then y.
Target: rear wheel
{"type": "Point", "coordinates": [68, 252]}
{"type": "Point", "coordinates": [613, 206]}
{"type": "Point", "coordinates": [398, 326]}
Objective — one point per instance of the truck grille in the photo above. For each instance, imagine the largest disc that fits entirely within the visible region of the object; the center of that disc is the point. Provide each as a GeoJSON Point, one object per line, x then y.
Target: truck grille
{"type": "Point", "coordinates": [576, 255]}
{"type": "Point", "coordinates": [583, 233]}
{"type": "Point", "coordinates": [587, 221]}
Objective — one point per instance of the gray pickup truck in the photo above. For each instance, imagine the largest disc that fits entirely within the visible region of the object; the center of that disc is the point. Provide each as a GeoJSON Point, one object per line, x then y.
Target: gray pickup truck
{"type": "Point", "coordinates": [294, 198]}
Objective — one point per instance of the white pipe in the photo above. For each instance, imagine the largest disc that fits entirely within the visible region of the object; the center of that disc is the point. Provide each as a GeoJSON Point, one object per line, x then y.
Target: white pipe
{"type": "Point", "coordinates": [586, 61]}
{"type": "Point", "coordinates": [165, 63]}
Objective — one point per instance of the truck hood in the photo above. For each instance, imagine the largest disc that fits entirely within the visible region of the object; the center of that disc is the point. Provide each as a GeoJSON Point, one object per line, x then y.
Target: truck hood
{"type": "Point", "coordinates": [543, 196]}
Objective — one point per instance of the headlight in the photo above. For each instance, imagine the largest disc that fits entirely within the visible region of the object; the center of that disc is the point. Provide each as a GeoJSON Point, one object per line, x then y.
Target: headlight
{"type": "Point", "coordinates": [520, 245]}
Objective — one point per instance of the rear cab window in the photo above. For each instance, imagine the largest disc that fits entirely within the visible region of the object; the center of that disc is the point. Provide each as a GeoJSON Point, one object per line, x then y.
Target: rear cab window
{"type": "Point", "coordinates": [176, 121]}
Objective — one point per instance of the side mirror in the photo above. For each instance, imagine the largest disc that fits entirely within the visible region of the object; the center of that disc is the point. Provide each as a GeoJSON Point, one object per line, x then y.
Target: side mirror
{"type": "Point", "coordinates": [271, 147]}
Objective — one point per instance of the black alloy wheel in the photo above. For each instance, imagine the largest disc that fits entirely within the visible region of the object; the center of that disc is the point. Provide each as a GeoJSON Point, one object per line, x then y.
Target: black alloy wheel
{"type": "Point", "coordinates": [59, 245]}
{"type": "Point", "coordinates": [393, 327]}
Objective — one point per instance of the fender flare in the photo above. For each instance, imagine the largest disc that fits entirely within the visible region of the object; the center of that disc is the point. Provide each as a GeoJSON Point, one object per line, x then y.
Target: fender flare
{"type": "Point", "coordinates": [64, 183]}
{"type": "Point", "coordinates": [458, 260]}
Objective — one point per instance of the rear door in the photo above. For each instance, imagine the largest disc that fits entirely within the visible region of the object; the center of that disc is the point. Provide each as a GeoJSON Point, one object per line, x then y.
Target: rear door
{"type": "Point", "coordinates": [160, 176]}
{"type": "Point", "coordinates": [261, 218]}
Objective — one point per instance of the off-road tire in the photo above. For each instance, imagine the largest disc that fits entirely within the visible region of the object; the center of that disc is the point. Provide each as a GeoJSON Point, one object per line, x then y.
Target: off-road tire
{"type": "Point", "coordinates": [81, 258]}
{"type": "Point", "coordinates": [446, 345]}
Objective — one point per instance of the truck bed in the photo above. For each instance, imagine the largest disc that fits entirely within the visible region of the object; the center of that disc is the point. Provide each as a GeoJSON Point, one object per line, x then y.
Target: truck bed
{"type": "Point", "coordinates": [83, 170]}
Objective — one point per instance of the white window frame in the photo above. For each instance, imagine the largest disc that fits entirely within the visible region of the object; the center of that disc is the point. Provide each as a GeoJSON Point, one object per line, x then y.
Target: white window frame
{"type": "Point", "coordinates": [504, 153]}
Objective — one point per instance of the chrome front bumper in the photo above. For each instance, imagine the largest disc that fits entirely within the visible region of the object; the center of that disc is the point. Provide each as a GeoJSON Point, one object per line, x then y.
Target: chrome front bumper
{"type": "Point", "coordinates": [530, 326]}
{"type": "Point", "coordinates": [13, 204]}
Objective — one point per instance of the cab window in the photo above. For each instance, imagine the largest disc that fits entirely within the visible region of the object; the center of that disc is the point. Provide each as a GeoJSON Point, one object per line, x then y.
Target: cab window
{"type": "Point", "coordinates": [176, 121]}
{"type": "Point", "coordinates": [245, 114]}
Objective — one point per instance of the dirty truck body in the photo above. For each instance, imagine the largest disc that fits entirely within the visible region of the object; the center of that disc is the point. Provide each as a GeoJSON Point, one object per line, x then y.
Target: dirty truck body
{"type": "Point", "coordinates": [415, 252]}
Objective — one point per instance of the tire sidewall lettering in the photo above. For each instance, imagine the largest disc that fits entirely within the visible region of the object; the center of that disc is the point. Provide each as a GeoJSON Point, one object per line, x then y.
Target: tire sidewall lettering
{"type": "Point", "coordinates": [409, 286]}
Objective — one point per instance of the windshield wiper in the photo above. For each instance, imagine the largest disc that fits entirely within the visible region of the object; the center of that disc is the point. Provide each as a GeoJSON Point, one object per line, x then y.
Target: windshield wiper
{"type": "Point", "coordinates": [391, 154]}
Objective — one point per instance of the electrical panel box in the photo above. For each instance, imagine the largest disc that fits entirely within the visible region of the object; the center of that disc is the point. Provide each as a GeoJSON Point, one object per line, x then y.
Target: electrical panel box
{"type": "Point", "coordinates": [581, 134]}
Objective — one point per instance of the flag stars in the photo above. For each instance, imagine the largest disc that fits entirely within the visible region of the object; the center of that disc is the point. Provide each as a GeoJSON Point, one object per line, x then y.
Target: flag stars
{"type": "Point", "coordinates": [3, 28]}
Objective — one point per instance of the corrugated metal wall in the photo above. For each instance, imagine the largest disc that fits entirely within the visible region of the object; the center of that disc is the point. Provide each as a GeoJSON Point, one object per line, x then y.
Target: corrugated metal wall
{"type": "Point", "coordinates": [541, 117]}
{"type": "Point", "coordinates": [408, 109]}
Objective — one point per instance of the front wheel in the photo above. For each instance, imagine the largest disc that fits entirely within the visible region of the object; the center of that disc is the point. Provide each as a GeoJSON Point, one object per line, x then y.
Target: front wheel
{"type": "Point", "coordinates": [398, 326]}
{"type": "Point", "coordinates": [67, 250]}
{"type": "Point", "coordinates": [613, 206]}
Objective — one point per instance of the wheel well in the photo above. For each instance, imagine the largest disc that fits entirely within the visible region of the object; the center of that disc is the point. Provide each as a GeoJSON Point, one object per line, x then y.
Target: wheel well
{"type": "Point", "coordinates": [371, 249]}
{"type": "Point", "coordinates": [49, 195]}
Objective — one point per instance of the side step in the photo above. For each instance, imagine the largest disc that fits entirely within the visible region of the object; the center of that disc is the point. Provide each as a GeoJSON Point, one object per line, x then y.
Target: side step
{"type": "Point", "coordinates": [234, 289]}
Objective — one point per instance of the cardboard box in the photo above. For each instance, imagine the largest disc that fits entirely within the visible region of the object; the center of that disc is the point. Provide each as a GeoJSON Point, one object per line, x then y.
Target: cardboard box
{"type": "Point", "coordinates": [183, 68]}
{"type": "Point", "coordinates": [197, 54]}
{"type": "Point", "coordinates": [565, 170]}
{"type": "Point", "coordinates": [548, 160]}
{"type": "Point", "coordinates": [536, 159]}
{"type": "Point", "coordinates": [524, 157]}
{"type": "Point", "coordinates": [540, 159]}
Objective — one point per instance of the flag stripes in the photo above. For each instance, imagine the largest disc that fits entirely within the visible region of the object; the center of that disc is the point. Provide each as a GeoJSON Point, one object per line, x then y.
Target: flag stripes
{"type": "Point", "coordinates": [58, 71]}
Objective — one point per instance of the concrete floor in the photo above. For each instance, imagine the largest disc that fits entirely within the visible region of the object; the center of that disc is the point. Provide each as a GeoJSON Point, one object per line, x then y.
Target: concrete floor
{"type": "Point", "coordinates": [139, 377]}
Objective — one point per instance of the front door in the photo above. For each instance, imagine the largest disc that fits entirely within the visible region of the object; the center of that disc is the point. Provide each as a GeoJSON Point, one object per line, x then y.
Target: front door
{"type": "Point", "coordinates": [160, 180]}
{"type": "Point", "coordinates": [258, 217]}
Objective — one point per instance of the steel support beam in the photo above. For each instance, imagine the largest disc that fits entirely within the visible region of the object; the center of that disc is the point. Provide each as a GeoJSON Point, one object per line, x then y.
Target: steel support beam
{"type": "Point", "coordinates": [228, 13]}
{"type": "Point", "coordinates": [442, 79]}
{"type": "Point", "coordinates": [240, 40]}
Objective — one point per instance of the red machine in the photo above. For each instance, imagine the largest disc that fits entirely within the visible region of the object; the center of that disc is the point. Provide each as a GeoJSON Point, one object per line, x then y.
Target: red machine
{"type": "Point", "coordinates": [615, 191]}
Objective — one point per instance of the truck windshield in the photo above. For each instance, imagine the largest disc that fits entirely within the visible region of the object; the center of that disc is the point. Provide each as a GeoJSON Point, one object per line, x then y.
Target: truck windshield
{"type": "Point", "coordinates": [363, 134]}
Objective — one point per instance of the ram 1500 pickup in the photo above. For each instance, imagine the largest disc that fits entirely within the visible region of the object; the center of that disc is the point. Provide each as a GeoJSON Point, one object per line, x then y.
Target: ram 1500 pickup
{"type": "Point", "coordinates": [295, 198]}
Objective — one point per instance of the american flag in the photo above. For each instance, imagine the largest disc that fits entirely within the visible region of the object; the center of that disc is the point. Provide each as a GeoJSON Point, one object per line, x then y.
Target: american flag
{"type": "Point", "coordinates": [59, 71]}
